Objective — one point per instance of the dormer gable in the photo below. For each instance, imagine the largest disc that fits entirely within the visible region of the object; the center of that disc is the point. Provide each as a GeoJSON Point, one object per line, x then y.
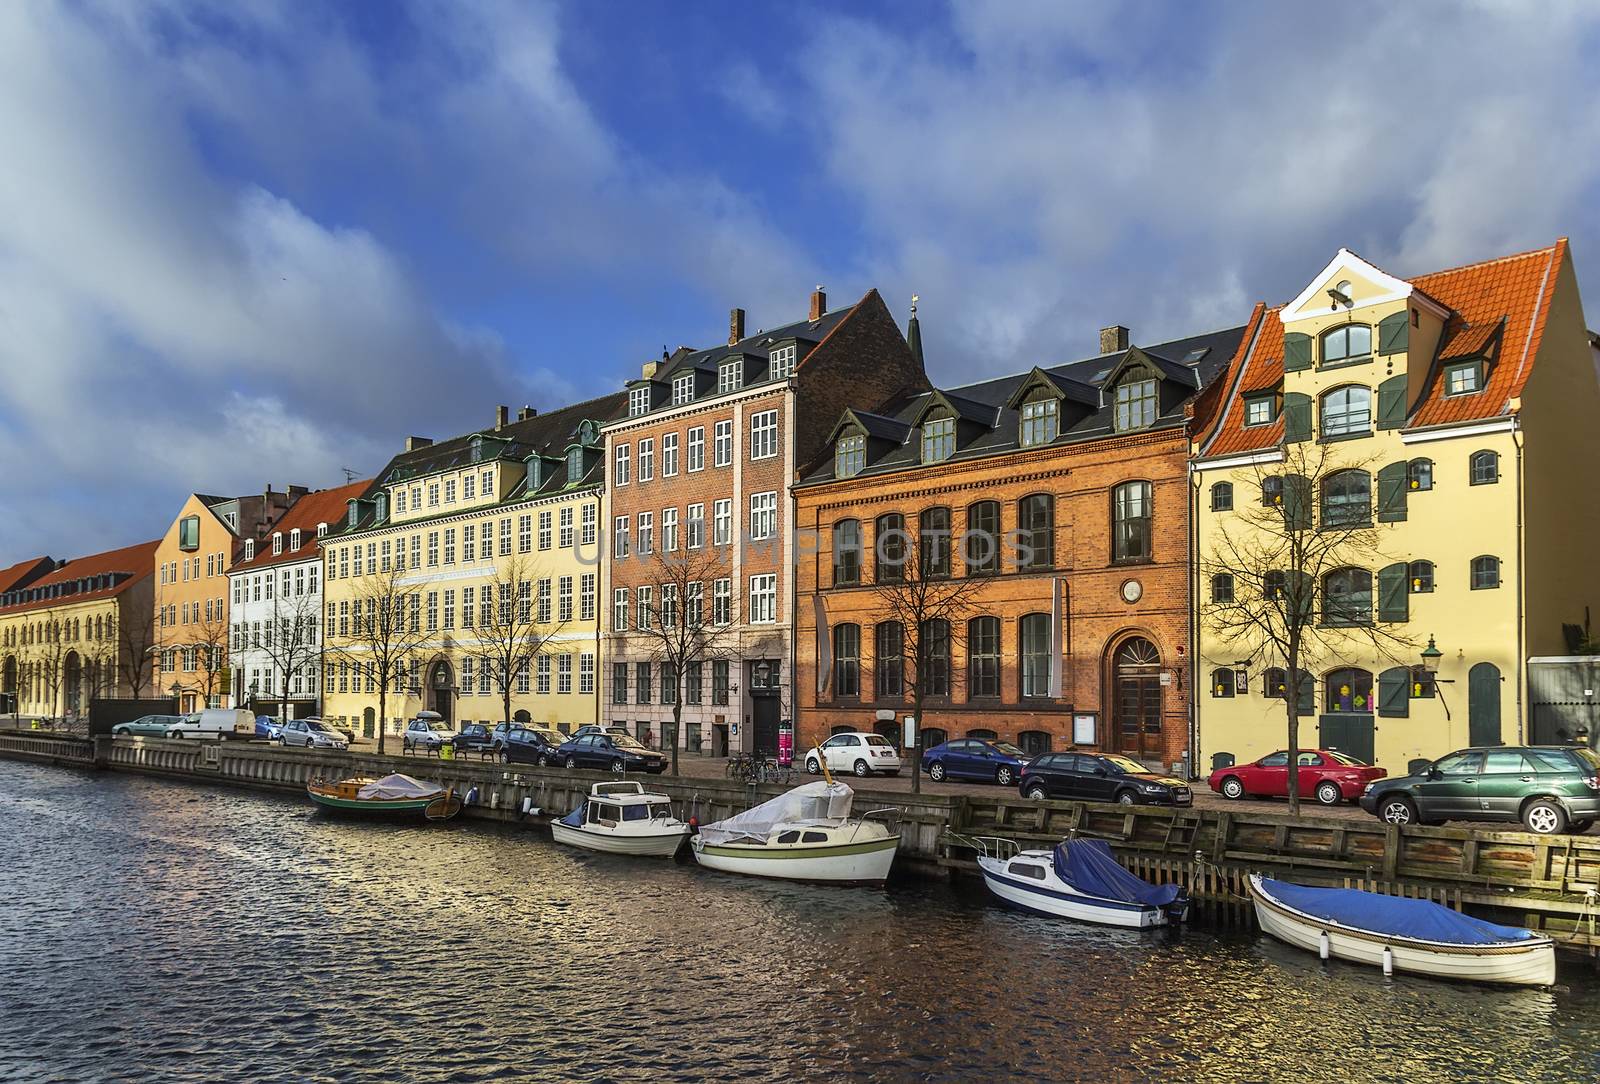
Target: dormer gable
{"type": "Point", "coordinates": [1038, 382]}
{"type": "Point", "coordinates": [1350, 284]}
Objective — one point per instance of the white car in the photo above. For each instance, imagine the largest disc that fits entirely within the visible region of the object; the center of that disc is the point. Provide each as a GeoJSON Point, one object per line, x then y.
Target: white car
{"type": "Point", "coordinates": [856, 752]}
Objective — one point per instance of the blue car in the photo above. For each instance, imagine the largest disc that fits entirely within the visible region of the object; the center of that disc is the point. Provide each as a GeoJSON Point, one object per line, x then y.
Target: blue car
{"type": "Point", "coordinates": [975, 758]}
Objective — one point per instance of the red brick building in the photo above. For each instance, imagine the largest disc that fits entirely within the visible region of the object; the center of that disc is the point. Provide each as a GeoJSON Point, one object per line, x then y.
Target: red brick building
{"type": "Point", "coordinates": [702, 464]}
{"type": "Point", "coordinates": [1063, 496]}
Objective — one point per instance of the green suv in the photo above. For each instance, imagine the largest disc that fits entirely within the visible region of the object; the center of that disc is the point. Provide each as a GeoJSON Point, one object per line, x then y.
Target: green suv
{"type": "Point", "coordinates": [1549, 788]}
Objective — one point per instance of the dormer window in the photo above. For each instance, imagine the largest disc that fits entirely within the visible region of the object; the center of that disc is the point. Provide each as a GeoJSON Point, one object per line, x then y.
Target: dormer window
{"type": "Point", "coordinates": [249, 549]}
{"type": "Point", "coordinates": [399, 502]}
{"type": "Point", "coordinates": [277, 543]}
{"type": "Point", "coordinates": [353, 512]}
{"type": "Point", "coordinates": [574, 465]}
{"type": "Point", "coordinates": [322, 530]}
{"type": "Point", "coordinates": [682, 389]}
{"type": "Point", "coordinates": [849, 456]}
{"type": "Point", "coordinates": [938, 439]}
{"type": "Point", "coordinates": [1260, 410]}
{"type": "Point", "coordinates": [781, 362]}
{"type": "Point", "coordinates": [535, 472]}
{"type": "Point", "coordinates": [730, 375]}
{"type": "Point", "coordinates": [638, 401]}
{"type": "Point", "coordinates": [381, 506]}
{"type": "Point", "coordinates": [1135, 404]}
{"type": "Point", "coordinates": [294, 539]}
{"type": "Point", "coordinates": [477, 449]}
{"type": "Point", "coordinates": [1347, 345]}
{"type": "Point", "coordinates": [1463, 378]}
{"type": "Point", "coordinates": [1040, 419]}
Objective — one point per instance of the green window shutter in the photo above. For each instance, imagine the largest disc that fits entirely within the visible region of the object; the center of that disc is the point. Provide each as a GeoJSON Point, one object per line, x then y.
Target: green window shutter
{"type": "Point", "coordinates": [1394, 693]}
{"type": "Point", "coordinates": [1296, 351]}
{"type": "Point", "coordinates": [1296, 417]}
{"type": "Point", "coordinates": [1394, 596]}
{"type": "Point", "coordinates": [1392, 493]}
{"type": "Point", "coordinates": [1393, 332]}
{"type": "Point", "coordinates": [1392, 402]}
{"type": "Point", "coordinates": [1302, 594]}
{"type": "Point", "coordinates": [1297, 502]}
{"type": "Point", "coordinates": [1305, 703]}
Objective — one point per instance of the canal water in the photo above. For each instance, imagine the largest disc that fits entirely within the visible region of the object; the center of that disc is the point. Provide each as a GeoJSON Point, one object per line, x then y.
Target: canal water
{"type": "Point", "coordinates": [158, 931]}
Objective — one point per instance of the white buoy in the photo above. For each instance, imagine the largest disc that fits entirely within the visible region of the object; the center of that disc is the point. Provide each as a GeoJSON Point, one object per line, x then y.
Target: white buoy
{"type": "Point", "coordinates": [1322, 944]}
{"type": "Point", "coordinates": [1388, 961]}
{"type": "Point", "coordinates": [527, 806]}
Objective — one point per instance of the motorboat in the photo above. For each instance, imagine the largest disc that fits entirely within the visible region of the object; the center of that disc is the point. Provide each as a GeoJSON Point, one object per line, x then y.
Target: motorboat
{"type": "Point", "coordinates": [622, 818]}
{"type": "Point", "coordinates": [1399, 934]}
{"type": "Point", "coordinates": [806, 834]}
{"type": "Point", "coordinates": [1079, 879]}
{"type": "Point", "coordinates": [392, 794]}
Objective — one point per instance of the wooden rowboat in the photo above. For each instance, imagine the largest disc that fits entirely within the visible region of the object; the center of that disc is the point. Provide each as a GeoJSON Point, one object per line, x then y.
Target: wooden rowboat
{"type": "Point", "coordinates": [392, 795]}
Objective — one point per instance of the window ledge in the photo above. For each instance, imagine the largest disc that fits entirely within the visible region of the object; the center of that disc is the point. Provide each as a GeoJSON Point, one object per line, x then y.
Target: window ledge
{"type": "Point", "coordinates": [1337, 437]}
{"type": "Point", "coordinates": [1345, 363]}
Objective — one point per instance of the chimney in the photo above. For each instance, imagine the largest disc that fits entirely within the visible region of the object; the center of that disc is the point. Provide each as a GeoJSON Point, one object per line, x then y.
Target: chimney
{"type": "Point", "coordinates": [502, 415]}
{"type": "Point", "coordinates": [735, 326]}
{"type": "Point", "coordinates": [648, 369]}
{"type": "Point", "coordinates": [413, 443]}
{"type": "Point", "coordinates": [1113, 339]}
{"type": "Point", "coordinates": [525, 413]}
{"type": "Point", "coordinates": [819, 303]}
{"type": "Point", "coordinates": [296, 492]}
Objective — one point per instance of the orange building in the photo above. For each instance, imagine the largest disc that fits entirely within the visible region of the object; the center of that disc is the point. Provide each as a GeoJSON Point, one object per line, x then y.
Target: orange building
{"type": "Point", "coordinates": [191, 590]}
{"type": "Point", "coordinates": [1060, 497]}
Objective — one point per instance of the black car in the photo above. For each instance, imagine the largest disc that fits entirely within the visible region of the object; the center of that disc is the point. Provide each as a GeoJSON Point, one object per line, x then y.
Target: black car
{"type": "Point", "coordinates": [526, 743]}
{"type": "Point", "coordinates": [473, 738]}
{"type": "Point", "coordinates": [1100, 777]}
{"type": "Point", "coordinates": [618, 752]}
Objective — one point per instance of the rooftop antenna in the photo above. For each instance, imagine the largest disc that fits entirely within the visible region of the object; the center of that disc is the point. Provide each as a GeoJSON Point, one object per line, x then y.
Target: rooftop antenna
{"type": "Point", "coordinates": [349, 475]}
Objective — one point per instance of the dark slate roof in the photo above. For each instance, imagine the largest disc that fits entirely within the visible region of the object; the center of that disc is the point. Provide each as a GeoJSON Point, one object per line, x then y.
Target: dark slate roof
{"type": "Point", "coordinates": [1187, 364]}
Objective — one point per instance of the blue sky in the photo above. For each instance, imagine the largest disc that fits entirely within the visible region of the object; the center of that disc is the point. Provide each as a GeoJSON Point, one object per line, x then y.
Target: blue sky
{"type": "Point", "coordinates": [246, 241]}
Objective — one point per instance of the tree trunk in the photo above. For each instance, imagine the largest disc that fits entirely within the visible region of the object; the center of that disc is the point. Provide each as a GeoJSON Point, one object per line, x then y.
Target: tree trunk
{"type": "Point", "coordinates": [383, 707]}
{"type": "Point", "coordinates": [916, 745]}
{"type": "Point", "coordinates": [677, 728]}
{"type": "Point", "coordinates": [1291, 700]}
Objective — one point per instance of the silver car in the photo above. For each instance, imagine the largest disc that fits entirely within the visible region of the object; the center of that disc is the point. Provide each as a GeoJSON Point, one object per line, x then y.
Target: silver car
{"type": "Point", "coordinates": [311, 734]}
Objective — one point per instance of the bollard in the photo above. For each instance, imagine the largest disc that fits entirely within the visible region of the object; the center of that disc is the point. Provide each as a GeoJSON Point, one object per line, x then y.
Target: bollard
{"type": "Point", "coordinates": [1322, 945]}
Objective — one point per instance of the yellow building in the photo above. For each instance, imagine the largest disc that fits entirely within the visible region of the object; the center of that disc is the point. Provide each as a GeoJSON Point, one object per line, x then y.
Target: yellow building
{"type": "Point", "coordinates": [1457, 413]}
{"type": "Point", "coordinates": [439, 532]}
{"type": "Point", "coordinates": [79, 631]}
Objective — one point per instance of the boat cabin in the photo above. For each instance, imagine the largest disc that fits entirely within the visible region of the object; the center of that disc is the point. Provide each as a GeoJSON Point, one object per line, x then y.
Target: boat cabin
{"type": "Point", "coordinates": [612, 804]}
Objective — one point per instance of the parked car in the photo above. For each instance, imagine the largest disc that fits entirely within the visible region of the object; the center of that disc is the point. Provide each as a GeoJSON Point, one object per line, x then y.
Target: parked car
{"type": "Point", "coordinates": [311, 734]}
{"type": "Point", "coordinates": [473, 738]}
{"type": "Point", "coordinates": [1100, 777]}
{"type": "Point", "coordinates": [268, 727]}
{"type": "Point", "coordinates": [857, 752]}
{"type": "Point", "coordinates": [345, 731]}
{"type": "Point", "coordinates": [428, 732]}
{"type": "Point", "coordinates": [1549, 788]}
{"type": "Point", "coordinates": [617, 752]}
{"type": "Point", "coordinates": [213, 723]}
{"type": "Point", "coordinates": [596, 728]}
{"type": "Point", "coordinates": [975, 758]}
{"type": "Point", "coordinates": [1328, 776]}
{"type": "Point", "coordinates": [147, 726]}
{"type": "Point", "coordinates": [526, 743]}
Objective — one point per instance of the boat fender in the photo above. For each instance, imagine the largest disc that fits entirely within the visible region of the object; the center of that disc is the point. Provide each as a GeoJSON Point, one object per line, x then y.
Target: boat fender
{"type": "Point", "coordinates": [1322, 944]}
{"type": "Point", "coordinates": [527, 805]}
{"type": "Point", "coordinates": [472, 796]}
{"type": "Point", "coordinates": [1388, 961]}
{"type": "Point", "coordinates": [694, 825]}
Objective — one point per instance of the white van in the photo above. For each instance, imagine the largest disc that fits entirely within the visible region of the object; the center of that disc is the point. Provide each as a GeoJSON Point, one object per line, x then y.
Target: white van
{"type": "Point", "coordinates": [213, 723]}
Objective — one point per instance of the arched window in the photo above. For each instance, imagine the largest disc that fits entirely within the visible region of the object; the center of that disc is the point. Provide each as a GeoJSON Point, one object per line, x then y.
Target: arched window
{"type": "Point", "coordinates": [932, 735]}
{"type": "Point", "coordinates": [983, 657]}
{"type": "Point", "coordinates": [1347, 597]}
{"type": "Point", "coordinates": [849, 456]}
{"type": "Point", "coordinates": [935, 636]}
{"type": "Point", "coordinates": [1274, 682]}
{"type": "Point", "coordinates": [1222, 682]}
{"type": "Point", "coordinates": [1036, 527]}
{"type": "Point", "coordinates": [1420, 573]}
{"type": "Point", "coordinates": [1343, 345]}
{"type": "Point", "coordinates": [1272, 490]}
{"type": "Point", "coordinates": [1036, 653]}
{"type": "Point", "coordinates": [1130, 522]}
{"type": "Point", "coordinates": [1348, 690]}
{"type": "Point", "coordinates": [980, 546]}
{"type": "Point", "coordinates": [1485, 573]}
{"type": "Point", "coordinates": [846, 660]}
{"type": "Point", "coordinates": [1222, 497]}
{"type": "Point", "coordinates": [1347, 411]}
{"type": "Point", "coordinates": [1034, 742]}
{"type": "Point", "coordinates": [1222, 587]}
{"type": "Point", "coordinates": [986, 735]}
{"type": "Point", "coordinates": [1419, 475]}
{"type": "Point", "coordinates": [889, 545]}
{"type": "Point", "coordinates": [889, 660]}
{"type": "Point", "coordinates": [1485, 468]}
{"type": "Point", "coordinates": [1347, 499]}
{"type": "Point", "coordinates": [933, 542]}
{"type": "Point", "coordinates": [846, 552]}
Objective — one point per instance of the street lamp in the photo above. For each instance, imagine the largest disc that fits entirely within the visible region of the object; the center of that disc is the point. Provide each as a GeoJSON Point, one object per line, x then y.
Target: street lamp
{"type": "Point", "coordinates": [1431, 656]}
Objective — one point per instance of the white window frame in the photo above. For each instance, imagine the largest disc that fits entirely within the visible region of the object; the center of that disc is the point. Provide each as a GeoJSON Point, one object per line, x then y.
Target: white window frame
{"type": "Point", "coordinates": [763, 434]}
{"type": "Point", "coordinates": [697, 449]}
{"type": "Point", "coordinates": [763, 605]}
{"type": "Point", "coordinates": [682, 389]}
{"type": "Point", "coordinates": [722, 451]}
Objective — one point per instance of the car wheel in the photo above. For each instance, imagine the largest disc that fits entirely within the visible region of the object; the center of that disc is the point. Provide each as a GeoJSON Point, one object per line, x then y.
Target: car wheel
{"type": "Point", "coordinates": [1397, 810]}
{"type": "Point", "coordinates": [862, 771]}
{"type": "Point", "coordinates": [1328, 793]}
{"type": "Point", "coordinates": [283, 743]}
{"type": "Point", "coordinates": [1544, 817]}
{"type": "Point", "coordinates": [1580, 827]}
{"type": "Point", "coordinates": [936, 771]}
{"type": "Point", "coordinates": [544, 761]}
{"type": "Point", "coordinates": [1126, 797]}
{"type": "Point", "coordinates": [1003, 776]}
{"type": "Point", "coordinates": [1232, 788]}
{"type": "Point", "coordinates": [572, 762]}
{"type": "Point", "coordinates": [1037, 792]}
{"type": "Point", "coordinates": [505, 757]}
{"type": "Point", "coordinates": [175, 735]}
{"type": "Point", "coordinates": [812, 767]}
{"type": "Point", "coordinates": [617, 766]}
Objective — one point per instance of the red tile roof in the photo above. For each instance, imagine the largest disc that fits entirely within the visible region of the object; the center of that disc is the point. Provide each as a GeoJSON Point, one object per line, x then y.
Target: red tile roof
{"type": "Point", "coordinates": [1499, 304]}
{"type": "Point", "coordinates": [21, 571]}
{"type": "Point", "coordinates": [323, 506]}
{"type": "Point", "coordinates": [137, 561]}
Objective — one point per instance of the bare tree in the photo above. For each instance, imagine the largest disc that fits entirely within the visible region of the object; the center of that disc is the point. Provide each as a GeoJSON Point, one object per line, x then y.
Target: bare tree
{"type": "Point", "coordinates": [914, 590]}
{"type": "Point", "coordinates": [385, 633]}
{"type": "Point", "coordinates": [682, 630]}
{"type": "Point", "coordinates": [1289, 577]}
{"type": "Point", "coordinates": [289, 639]}
{"type": "Point", "coordinates": [49, 660]}
{"type": "Point", "coordinates": [208, 637]}
{"type": "Point", "coordinates": [516, 627]}
{"type": "Point", "coordinates": [136, 648]}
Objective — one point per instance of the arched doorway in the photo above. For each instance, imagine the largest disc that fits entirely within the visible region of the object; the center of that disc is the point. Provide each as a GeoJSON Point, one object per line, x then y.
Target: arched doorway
{"type": "Point", "coordinates": [72, 672]}
{"type": "Point", "coordinates": [441, 690]}
{"type": "Point", "coordinates": [368, 722]}
{"type": "Point", "coordinates": [887, 728]}
{"type": "Point", "coordinates": [1136, 698]}
{"type": "Point", "coordinates": [1483, 704]}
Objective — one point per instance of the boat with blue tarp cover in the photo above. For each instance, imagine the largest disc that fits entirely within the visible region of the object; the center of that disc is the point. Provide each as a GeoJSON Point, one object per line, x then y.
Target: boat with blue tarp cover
{"type": "Point", "coordinates": [1079, 879]}
{"type": "Point", "coordinates": [1396, 933]}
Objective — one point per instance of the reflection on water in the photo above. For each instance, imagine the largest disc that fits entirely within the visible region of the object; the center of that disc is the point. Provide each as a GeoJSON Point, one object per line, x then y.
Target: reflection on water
{"type": "Point", "coordinates": [170, 932]}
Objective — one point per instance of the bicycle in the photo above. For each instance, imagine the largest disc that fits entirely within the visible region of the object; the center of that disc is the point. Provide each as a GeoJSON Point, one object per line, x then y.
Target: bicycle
{"type": "Point", "coordinates": [739, 766]}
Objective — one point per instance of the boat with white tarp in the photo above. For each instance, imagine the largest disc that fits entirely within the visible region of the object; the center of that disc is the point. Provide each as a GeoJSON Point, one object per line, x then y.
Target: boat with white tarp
{"type": "Point", "coordinates": [806, 834]}
{"type": "Point", "coordinates": [392, 794]}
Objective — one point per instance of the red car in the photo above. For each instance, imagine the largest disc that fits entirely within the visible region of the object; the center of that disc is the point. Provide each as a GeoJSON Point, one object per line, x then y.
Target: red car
{"type": "Point", "coordinates": [1327, 776]}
